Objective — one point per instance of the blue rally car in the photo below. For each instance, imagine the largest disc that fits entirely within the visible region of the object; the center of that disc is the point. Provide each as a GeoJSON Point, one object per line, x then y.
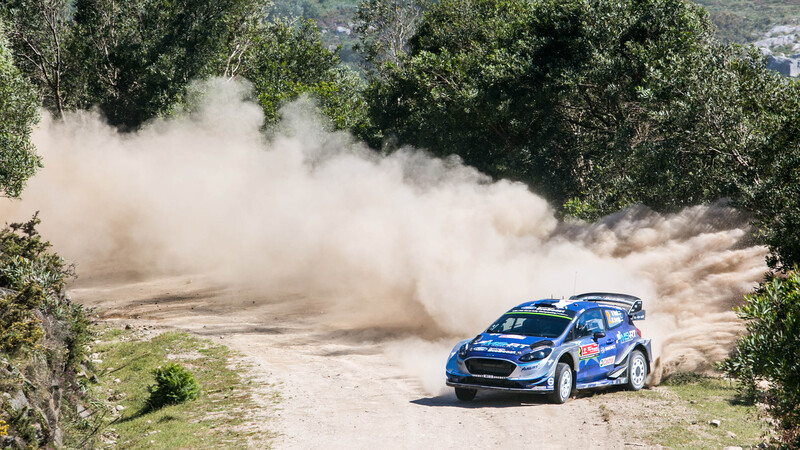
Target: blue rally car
{"type": "Point", "coordinates": [554, 347]}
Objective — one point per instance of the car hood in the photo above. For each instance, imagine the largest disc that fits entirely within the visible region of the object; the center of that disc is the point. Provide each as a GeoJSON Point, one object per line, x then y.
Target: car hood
{"type": "Point", "coordinates": [508, 346]}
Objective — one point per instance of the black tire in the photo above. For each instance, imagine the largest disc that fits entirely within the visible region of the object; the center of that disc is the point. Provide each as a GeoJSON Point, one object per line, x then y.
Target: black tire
{"type": "Point", "coordinates": [465, 395]}
{"type": "Point", "coordinates": [563, 385]}
{"type": "Point", "coordinates": [637, 370]}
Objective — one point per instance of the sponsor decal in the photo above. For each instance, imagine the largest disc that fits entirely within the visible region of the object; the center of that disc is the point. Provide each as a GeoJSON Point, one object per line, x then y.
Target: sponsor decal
{"type": "Point", "coordinates": [607, 361]}
{"type": "Point", "coordinates": [509, 344]}
{"type": "Point", "coordinates": [541, 310]}
{"type": "Point", "coordinates": [541, 388]}
{"type": "Point", "coordinates": [502, 350]}
{"type": "Point", "coordinates": [490, 343]}
{"type": "Point", "coordinates": [590, 350]}
{"type": "Point", "coordinates": [512, 336]}
{"type": "Point", "coordinates": [626, 336]}
{"type": "Point", "coordinates": [531, 367]}
{"type": "Point", "coordinates": [614, 317]}
{"type": "Point", "coordinates": [550, 381]}
{"type": "Point", "coordinates": [608, 348]}
{"type": "Point", "coordinates": [479, 349]}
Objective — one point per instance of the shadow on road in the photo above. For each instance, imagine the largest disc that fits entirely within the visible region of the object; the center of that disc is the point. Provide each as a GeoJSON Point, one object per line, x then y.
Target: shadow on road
{"type": "Point", "coordinates": [484, 399]}
{"type": "Point", "coordinates": [499, 399]}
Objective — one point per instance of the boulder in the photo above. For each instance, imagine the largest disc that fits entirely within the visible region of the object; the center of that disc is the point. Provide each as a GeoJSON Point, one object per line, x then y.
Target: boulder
{"type": "Point", "coordinates": [788, 67]}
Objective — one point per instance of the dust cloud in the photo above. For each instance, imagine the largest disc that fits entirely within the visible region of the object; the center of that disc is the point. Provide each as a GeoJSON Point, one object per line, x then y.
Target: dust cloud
{"type": "Point", "coordinates": [404, 240]}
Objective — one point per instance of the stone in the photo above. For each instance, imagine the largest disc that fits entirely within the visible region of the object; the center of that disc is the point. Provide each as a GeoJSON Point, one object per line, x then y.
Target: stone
{"type": "Point", "coordinates": [714, 423]}
{"type": "Point", "coordinates": [19, 402]}
{"type": "Point", "coordinates": [83, 412]}
{"type": "Point", "coordinates": [788, 67]}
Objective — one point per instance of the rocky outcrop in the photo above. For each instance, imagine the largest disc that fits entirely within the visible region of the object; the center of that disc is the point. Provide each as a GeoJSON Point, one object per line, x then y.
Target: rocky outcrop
{"type": "Point", "coordinates": [781, 44]}
{"type": "Point", "coordinates": [788, 67]}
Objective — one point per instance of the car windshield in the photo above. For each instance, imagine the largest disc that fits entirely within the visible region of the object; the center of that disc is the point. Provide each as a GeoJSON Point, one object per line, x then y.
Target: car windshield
{"type": "Point", "coordinates": [531, 324]}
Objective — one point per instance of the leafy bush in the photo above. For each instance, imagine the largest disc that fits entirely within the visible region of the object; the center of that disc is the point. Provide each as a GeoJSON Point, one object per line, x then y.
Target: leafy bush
{"type": "Point", "coordinates": [174, 384]}
{"type": "Point", "coordinates": [20, 328]}
{"type": "Point", "coordinates": [768, 353]}
{"type": "Point", "coordinates": [38, 277]}
{"type": "Point", "coordinates": [24, 259]}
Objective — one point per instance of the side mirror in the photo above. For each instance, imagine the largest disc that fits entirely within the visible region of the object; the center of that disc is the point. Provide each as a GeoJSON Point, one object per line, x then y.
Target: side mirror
{"type": "Point", "coordinates": [599, 334]}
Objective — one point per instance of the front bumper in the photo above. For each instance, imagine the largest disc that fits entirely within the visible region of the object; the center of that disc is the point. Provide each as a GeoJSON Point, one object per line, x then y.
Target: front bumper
{"type": "Point", "coordinates": [501, 384]}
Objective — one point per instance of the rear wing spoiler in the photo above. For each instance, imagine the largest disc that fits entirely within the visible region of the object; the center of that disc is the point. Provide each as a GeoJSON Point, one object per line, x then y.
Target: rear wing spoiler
{"type": "Point", "coordinates": [634, 304]}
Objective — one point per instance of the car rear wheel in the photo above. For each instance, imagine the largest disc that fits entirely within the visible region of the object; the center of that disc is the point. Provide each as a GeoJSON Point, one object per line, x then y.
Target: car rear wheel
{"type": "Point", "coordinates": [563, 384]}
{"type": "Point", "coordinates": [465, 395]}
{"type": "Point", "coordinates": [637, 370]}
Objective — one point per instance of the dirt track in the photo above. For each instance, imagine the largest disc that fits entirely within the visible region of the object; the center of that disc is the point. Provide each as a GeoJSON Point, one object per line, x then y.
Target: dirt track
{"type": "Point", "coordinates": [344, 389]}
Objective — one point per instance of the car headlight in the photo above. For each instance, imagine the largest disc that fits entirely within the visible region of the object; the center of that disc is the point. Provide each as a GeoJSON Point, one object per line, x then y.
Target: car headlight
{"type": "Point", "coordinates": [536, 355]}
{"type": "Point", "coordinates": [462, 352]}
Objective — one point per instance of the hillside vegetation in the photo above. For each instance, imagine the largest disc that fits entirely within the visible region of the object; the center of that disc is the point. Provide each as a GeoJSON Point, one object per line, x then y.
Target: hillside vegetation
{"type": "Point", "coordinates": [747, 21]}
{"type": "Point", "coordinates": [736, 20]}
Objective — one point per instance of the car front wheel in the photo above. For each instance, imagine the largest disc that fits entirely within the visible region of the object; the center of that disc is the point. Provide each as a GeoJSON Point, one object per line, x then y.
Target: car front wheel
{"type": "Point", "coordinates": [563, 384]}
{"type": "Point", "coordinates": [465, 395]}
{"type": "Point", "coordinates": [637, 370]}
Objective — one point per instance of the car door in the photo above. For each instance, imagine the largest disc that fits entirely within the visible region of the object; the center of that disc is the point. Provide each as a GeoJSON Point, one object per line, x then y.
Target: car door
{"type": "Point", "coordinates": [609, 349]}
{"type": "Point", "coordinates": [597, 351]}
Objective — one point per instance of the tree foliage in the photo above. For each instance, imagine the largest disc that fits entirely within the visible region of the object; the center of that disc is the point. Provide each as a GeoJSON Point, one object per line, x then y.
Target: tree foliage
{"type": "Point", "coordinates": [384, 28]}
{"type": "Point", "coordinates": [140, 55]}
{"type": "Point", "coordinates": [40, 31]}
{"type": "Point", "coordinates": [18, 113]}
{"type": "Point", "coordinates": [775, 200]}
{"type": "Point", "coordinates": [287, 59]}
{"type": "Point", "coordinates": [134, 60]}
{"type": "Point", "coordinates": [599, 104]}
{"type": "Point", "coordinates": [768, 352]}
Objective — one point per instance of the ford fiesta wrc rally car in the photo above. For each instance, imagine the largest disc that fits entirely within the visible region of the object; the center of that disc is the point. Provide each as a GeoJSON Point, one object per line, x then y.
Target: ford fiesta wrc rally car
{"type": "Point", "coordinates": [555, 347]}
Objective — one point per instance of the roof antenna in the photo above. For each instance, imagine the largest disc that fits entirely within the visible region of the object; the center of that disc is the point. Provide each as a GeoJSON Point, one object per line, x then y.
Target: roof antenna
{"type": "Point", "coordinates": [575, 284]}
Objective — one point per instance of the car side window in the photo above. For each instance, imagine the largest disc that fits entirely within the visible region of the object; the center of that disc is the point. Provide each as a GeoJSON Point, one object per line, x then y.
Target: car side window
{"type": "Point", "coordinates": [614, 317]}
{"type": "Point", "coordinates": [589, 323]}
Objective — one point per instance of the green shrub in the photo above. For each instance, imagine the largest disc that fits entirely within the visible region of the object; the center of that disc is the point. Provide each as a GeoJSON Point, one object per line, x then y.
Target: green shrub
{"type": "Point", "coordinates": [24, 259]}
{"type": "Point", "coordinates": [768, 353]}
{"type": "Point", "coordinates": [174, 384]}
{"type": "Point", "coordinates": [20, 328]}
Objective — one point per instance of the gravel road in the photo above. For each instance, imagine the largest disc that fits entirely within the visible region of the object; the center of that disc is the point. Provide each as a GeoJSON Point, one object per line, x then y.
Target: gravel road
{"type": "Point", "coordinates": [345, 388]}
